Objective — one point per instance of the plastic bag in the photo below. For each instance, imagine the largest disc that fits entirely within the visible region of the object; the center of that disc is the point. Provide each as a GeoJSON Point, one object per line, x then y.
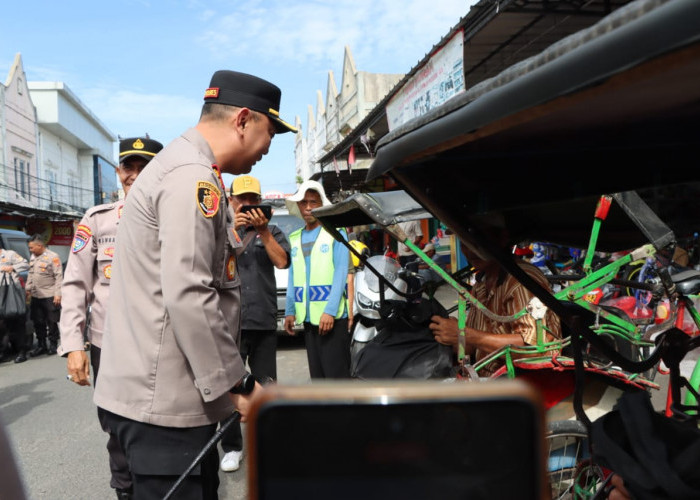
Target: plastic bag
{"type": "Point", "coordinates": [12, 299]}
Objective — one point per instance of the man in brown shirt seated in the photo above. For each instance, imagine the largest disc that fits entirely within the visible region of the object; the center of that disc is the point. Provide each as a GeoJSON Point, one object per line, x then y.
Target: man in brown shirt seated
{"type": "Point", "coordinates": [503, 295]}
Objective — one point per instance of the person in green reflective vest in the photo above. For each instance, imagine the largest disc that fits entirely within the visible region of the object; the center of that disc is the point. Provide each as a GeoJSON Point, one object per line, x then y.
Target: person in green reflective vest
{"type": "Point", "coordinates": [316, 295]}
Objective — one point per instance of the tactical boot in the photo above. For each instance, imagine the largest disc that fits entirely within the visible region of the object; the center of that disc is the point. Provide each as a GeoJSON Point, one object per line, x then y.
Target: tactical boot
{"type": "Point", "coordinates": [124, 494]}
{"type": "Point", "coordinates": [53, 347]}
{"type": "Point", "coordinates": [21, 357]}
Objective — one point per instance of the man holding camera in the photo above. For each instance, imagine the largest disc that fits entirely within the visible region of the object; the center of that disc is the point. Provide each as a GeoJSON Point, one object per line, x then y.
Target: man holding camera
{"type": "Point", "coordinates": [263, 247]}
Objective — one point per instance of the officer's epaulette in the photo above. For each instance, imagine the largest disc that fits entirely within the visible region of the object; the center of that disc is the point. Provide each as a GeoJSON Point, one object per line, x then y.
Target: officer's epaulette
{"type": "Point", "coordinates": [103, 208]}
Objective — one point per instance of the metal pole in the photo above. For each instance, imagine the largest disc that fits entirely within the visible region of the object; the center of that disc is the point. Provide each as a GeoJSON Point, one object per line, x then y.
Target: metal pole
{"type": "Point", "coordinates": [234, 418]}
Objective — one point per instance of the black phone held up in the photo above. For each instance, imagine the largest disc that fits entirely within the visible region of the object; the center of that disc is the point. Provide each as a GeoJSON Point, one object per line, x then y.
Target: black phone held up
{"type": "Point", "coordinates": [266, 210]}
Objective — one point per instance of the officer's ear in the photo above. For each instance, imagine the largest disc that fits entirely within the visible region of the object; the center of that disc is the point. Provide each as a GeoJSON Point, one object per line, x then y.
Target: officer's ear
{"type": "Point", "coordinates": [242, 119]}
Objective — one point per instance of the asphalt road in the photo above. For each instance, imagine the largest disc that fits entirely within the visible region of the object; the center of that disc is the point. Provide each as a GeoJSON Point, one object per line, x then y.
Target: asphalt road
{"type": "Point", "coordinates": [58, 443]}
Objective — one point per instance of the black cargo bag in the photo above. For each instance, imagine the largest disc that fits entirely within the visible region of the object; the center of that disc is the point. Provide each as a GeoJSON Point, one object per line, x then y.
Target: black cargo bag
{"type": "Point", "coordinates": [12, 299]}
{"type": "Point", "coordinates": [656, 456]}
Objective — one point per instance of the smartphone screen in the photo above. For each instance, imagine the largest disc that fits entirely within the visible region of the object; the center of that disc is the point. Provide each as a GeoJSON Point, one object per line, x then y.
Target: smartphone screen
{"type": "Point", "coordinates": [477, 448]}
{"type": "Point", "coordinates": [266, 209]}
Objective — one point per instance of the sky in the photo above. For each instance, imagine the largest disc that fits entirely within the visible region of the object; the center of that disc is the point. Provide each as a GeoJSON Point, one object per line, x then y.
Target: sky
{"type": "Point", "coordinates": [141, 66]}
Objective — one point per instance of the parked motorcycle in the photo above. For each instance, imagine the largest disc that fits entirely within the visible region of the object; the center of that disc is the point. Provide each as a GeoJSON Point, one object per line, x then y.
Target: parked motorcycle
{"type": "Point", "coordinates": [391, 338]}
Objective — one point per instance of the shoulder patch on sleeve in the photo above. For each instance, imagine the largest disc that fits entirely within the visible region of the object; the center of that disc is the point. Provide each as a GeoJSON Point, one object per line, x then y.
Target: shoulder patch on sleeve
{"type": "Point", "coordinates": [208, 197]}
{"type": "Point", "coordinates": [81, 238]}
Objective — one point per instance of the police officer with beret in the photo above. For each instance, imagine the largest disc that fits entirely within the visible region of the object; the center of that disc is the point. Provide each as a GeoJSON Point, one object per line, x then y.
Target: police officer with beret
{"type": "Point", "coordinates": [86, 288]}
{"type": "Point", "coordinates": [170, 368]}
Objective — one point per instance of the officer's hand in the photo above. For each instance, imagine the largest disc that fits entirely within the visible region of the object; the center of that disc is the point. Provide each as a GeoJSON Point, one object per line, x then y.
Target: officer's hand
{"type": "Point", "coordinates": [289, 325]}
{"type": "Point", "coordinates": [79, 367]}
{"type": "Point", "coordinates": [325, 324]}
{"type": "Point", "coordinates": [57, 300]}
{"type": "Point", "coordinates": [244, 402]}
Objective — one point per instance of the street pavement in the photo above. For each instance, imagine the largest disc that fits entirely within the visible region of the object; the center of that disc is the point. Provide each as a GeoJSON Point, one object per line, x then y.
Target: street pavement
{"type": "Point", "coordinates": [58, 443]}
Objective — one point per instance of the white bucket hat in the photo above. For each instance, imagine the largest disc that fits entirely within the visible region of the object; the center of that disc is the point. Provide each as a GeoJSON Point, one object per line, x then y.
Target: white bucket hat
{"type": "Point", "coordinates": [291, 202]}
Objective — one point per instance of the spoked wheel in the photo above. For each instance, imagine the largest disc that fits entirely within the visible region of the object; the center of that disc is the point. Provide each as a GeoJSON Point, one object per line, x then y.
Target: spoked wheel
{"type": "Point", "coordinates": [567, 442]}
{"type": "Point", "coordinates": [588, 480]}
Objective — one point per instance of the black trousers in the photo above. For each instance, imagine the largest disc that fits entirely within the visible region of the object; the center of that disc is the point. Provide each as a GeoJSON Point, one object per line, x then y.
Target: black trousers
{"type": "Point", "coordinates": [157, 456]}
{"type": "Point", "coordinates": [45, 316]}
{"type": "Point", "coordinates": [14, 333]}
{"type": "Point", "coordinates": [259, 349]}
{"type": "Point", "coordinates": [118, 466]}
{"type": "Point", "coordinates": [328, 355]}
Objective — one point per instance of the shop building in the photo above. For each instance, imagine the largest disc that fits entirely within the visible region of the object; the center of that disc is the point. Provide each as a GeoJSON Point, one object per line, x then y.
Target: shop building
{"type": "Point", "coordinates": [336, 117]}
{"type": "Point", "coordinates": [56, 159]}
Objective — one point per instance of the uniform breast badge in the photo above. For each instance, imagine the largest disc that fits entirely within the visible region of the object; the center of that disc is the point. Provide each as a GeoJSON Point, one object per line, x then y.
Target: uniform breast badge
{"type": "Point", "coordinates": [231, 268]}
{"type": "Point", "coordinates": [208, 197]}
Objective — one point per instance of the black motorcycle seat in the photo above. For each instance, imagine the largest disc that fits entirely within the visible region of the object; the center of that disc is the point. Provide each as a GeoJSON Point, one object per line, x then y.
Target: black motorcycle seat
{"type": "Point", "coordinates": [687, 282]}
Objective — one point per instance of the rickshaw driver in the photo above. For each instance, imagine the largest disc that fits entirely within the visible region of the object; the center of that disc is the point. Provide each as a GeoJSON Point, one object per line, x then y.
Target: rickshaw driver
{"type": "Point", "coordinates": [503, 295]}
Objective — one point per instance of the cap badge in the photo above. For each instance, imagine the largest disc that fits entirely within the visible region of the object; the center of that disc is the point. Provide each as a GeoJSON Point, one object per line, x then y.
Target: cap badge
{"type": "Point", "coordinates": [211, 93]}
{"type": "Point", "coordinates": [137, 144]}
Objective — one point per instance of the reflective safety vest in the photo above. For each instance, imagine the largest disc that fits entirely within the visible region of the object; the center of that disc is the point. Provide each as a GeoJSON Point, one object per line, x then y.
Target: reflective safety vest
{"type": "Point", "coordinates": [320, 277]}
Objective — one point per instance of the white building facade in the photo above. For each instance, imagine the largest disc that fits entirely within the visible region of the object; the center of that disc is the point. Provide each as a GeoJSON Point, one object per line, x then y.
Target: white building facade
{"type": "Point", "coordinates": [342, 111]}
{"type": "Point", "coordinates": [56, 158]}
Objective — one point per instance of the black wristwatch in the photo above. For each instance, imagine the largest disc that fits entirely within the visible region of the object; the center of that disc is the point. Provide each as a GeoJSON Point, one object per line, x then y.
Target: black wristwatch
{"type": "Point", "coordinates": [245, 386]}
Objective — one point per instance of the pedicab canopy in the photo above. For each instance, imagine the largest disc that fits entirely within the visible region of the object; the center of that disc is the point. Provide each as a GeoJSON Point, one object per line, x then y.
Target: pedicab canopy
{"type": "Point", "coordinates": [612, 108]}
{"type": "Point", "coordinates": [386, 209]}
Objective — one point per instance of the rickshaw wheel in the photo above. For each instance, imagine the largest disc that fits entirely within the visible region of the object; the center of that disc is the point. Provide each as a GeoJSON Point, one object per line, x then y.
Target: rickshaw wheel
{"type": "Point", "coordinates": [588, 480]}
{"type": "Point", "coordinates": [567, 442]}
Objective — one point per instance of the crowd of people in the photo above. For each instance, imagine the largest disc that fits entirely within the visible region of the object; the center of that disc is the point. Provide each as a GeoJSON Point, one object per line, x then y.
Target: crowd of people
{"type": "Point", "coordinates": [187, 283]}
{"type": "Point", "coordinates": [172, 292]}
{"type": "Point", "coordinates": [42, 289]}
